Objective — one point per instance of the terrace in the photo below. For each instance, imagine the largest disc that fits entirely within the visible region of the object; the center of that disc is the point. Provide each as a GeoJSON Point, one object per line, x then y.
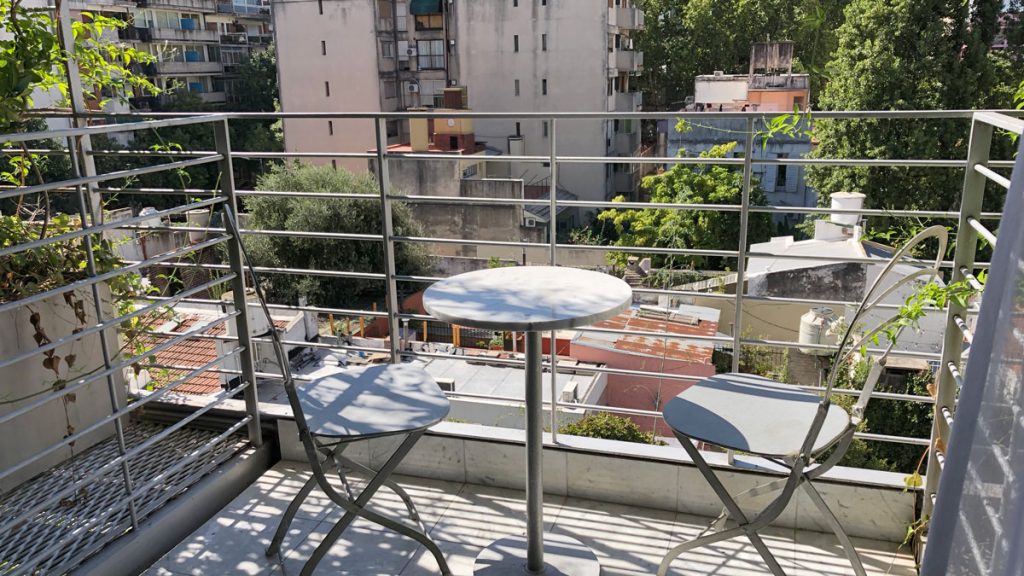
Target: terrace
{"type": "Point", "coordinates": [104, 473]}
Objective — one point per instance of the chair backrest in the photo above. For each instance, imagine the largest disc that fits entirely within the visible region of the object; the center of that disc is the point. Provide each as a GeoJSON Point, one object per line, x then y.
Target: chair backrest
{"type": "Point", "coordinates": [913, 272]}
{"type": "Point", "coordinates": [978, 523]}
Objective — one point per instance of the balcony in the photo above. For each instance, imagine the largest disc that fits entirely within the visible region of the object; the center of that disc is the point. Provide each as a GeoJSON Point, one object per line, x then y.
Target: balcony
{"type": "Point", "coordinates": [626, 18]}
{"type": "Point", "coordinates": [626, 143]}
{"type": "Point", "coordinates": [245, 10]}
{"type": "Point", "coordinates": [197, 5]}
{"type": "Point", "coordinates": [174, 469]}
{"type": "Point", "coordinates": [629, 61]}
{"type": "Point", "coordinates": [626, 102]}
{"type": "Point", "coordinates": [181, 68]}
{"type": "Point", "coordinates": [180, 35]}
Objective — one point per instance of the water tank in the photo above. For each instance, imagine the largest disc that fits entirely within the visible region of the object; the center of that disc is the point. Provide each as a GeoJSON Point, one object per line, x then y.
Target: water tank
{"type": "Point", "coordinates": [813, 326]}
{"type": "Point", "coordinates": [847, 201]}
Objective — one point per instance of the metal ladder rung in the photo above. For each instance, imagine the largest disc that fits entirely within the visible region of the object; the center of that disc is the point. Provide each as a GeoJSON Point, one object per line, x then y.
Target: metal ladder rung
{"type": "Point", "coordinates": [992, 175]}
{"type": "Point", "coordinates": [982, 230]}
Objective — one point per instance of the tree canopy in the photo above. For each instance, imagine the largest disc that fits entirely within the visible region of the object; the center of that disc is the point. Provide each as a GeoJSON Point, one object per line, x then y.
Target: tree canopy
{"type": "Point", "coordinates": [326, 215]}
{"type": "Point", "coordinates": [700, 229]}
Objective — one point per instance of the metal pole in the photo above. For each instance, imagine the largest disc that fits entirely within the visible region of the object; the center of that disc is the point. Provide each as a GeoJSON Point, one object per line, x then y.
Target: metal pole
{"type": "Point", "coordinates": [552, 260]}
{"type": "Point", "coordinates": [963, 259]}
{"type": "Point", "coordinates": [245, 357]}
{"type": "Point", "coordinates": [741, 258]}
{"type": "Point", "coordinates": [384, 185]}
{"type": "Point", "coordinates": [115, 401]}
{"type": "Point", "coordinates": [534, 456]}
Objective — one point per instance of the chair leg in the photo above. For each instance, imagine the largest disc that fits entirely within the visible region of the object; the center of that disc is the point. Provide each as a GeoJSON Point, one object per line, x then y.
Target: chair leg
{"type": "Point", "coordinates": [833, 522]}
{"type": "Point", "coordinates": [289, 515]}
{"type": "Point", "coordinates": [392, 485]}
{"type": "Point", "coordinates": [744, 525]}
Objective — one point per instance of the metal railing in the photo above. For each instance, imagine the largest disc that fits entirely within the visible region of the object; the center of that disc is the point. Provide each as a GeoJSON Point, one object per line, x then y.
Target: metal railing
{"type": "Point", "coordinates": [970, 219]}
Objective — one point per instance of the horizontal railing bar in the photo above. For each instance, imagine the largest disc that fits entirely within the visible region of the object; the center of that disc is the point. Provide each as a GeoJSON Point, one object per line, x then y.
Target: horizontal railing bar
{"type": "Point", "coordinates": [992, 175]}
{"type": "Point", "coordinates": [892, 439]}
{"type": "Point", "coordinates": [131, 266]}
{"type": "Point", "coordinates": [85, 231]}
{"type": "Point", "coordinates": [1001, 119]}
{"type": "Point", "coordinates": [130, 453]}
{"type": "Point", "coordinates": [186, 120]}
{"type": "Point", "coordinates": [853, 162]}
{"type": "Point", "coordinates": [69, 388]}
{"type": "Point", "coordinates": [272, 270]}
{"type": "Point", "coordinates": [982, 230]}
{"type": "Point", "coordinates": [111, 323]}
{"type": "Point", "coordinates": [322, 195]}
{"type": "Point", "coordinates": [295, 343]}
{"type": "Point", "coordinates": [159, 191]}
{"type": "Point", "coordinates": [833, 348]}
{"type": "Point", "coordinates": [317, 309]}
{"type": "Point", "coordinates": [968, 335]}
{"type": "Point", "coordinates": [71, 438]}
{"type": "Point", "coordinates": [65, 184]}
{"type": "Point", "coordinates": [256, 232]}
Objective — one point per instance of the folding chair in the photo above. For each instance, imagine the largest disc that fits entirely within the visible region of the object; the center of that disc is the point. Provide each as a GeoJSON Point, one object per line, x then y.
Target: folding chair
{"type": "Point", "coordinates": [785, 424]}
{"type": "Point", "coordinates": [333, 412]}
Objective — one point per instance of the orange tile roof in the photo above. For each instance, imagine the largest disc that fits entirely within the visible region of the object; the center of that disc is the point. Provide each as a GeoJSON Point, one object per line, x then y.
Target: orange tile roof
{"type": "Point", "coordinates": [670, 349]}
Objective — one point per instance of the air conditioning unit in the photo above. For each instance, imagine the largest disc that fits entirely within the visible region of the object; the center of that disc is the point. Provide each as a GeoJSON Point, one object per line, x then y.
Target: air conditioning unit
{"type": "Point", "coordinates": [570, 393]}
{"type": "Point", "coordinates": [410, 51]}
{"type": "Point", "coordinates": [413, 88]}
{"type": "Point", "coordinates": [451, 42]}
{"type": "Point", "coordinates": [453, 82]}
{"type": "Point", "coordinates": [531, 223]}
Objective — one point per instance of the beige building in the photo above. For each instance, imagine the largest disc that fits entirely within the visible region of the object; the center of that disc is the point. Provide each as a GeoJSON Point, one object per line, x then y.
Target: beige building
{"type": "Point", "coordinates": [513, 55]}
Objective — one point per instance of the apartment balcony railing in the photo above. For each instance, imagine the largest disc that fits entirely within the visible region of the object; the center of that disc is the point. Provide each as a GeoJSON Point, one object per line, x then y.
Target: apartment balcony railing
{"type": "Point", "coordinates": [626, 18]}
{"type": "Point", "coordinates": [626, 143]}
{"type": "Point", "coordinates": [625, 102]}
{"type": "Point", "coordinates": [197, 5]}
{"type": "Point", "coordinates": [181, 35]}
{"type": "Point", "coordinates": [188, 67]}
{"type": "Point", "coordinates": [70, 510]}
{"type": "Point", "coordinates": [243, 9]}
{"type": "Point", "coordinates": [630, 61]}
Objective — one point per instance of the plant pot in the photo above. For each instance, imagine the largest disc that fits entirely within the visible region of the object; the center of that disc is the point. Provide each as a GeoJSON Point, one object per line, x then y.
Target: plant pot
{"type": "Point", "coordinates": [198, 219]}
{"type": "Point", "coordinates": [44, 426]}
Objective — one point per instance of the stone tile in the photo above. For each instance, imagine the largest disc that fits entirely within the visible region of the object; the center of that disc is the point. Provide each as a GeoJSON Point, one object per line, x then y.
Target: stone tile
{"type": "Point", "coordinates": [437, 457]}
{"type": "Point", "coordinates": [460, 558]}
{"type": "Point", "coordinates": [734, 557]}
{"type": "Point", "coordinates": [430, 497]}
{"type": "Point", "coordinates": [621, 480]}
{"type": "Point", "coordinates": [360, 550]}
{"type": "Point", "coordinates": [819, 554]}
{"type": "Point", "coordinates": [626, 540]}
{"type": "Point", "coordinates": [481, 514]}
{"type": "Point", "coordinates": [499, 464]}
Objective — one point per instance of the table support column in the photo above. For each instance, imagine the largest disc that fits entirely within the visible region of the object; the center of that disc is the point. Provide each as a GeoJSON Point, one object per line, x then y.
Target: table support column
{"type": "Point", "coordinates": [534, 455]}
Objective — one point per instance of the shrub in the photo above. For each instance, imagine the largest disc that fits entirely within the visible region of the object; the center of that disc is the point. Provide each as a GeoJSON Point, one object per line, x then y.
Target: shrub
{"type": "Point", "coordinates": [609, 427]}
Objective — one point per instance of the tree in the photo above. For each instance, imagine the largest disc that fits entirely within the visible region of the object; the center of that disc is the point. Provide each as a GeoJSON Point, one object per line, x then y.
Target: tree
{"type": "Point", "coordinates": [905, 55]}
{"type": "Point", "coordinates": [326, 215]}
{"type": "Point", "coordinates": [677, 228]}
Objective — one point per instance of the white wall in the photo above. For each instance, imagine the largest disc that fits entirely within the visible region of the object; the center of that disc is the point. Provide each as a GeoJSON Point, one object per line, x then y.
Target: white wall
{"type": "Point", "coordinates": [350, 66]}
{"type": "Point", "coordinates": [720, 91]}
{"type": "Point", "coordinates": [575, 65]}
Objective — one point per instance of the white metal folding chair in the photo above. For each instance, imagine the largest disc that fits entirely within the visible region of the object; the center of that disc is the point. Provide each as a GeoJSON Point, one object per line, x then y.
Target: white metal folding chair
{"type": "Point", "coordinates": [334, 411]}
{"type": "Point", "coordinates": [786, 424]}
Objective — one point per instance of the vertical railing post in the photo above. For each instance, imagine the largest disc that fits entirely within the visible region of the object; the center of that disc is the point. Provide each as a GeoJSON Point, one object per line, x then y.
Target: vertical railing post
{"type": "Point", "coordinates": [963, 259]}
{"type": "Point", "coordinates": [222, 141]}
{"type": "Point", "coordinates": [553, 260]}
{"type": "Point", "coordinates": [741, 258]}
{"type": "Point", "coordinates": [387, 231]}
{"type": "Point", "coordinates": [89, 220]}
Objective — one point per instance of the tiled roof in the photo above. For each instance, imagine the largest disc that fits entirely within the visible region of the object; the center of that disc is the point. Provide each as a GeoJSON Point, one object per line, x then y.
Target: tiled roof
{"type": "Point", "coordinates": [698, 351]}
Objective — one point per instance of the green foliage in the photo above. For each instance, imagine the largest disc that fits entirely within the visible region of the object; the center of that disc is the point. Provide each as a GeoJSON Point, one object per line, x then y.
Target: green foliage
{"type": "Point", "coordinates": [671, 228]}
{"type": "Point", "coordinates": [326, 215]}
{"type": "Point", "coordinates": [609, 427]}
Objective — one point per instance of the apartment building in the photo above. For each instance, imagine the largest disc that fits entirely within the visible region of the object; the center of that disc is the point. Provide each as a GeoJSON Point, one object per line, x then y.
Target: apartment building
{"type": "Point", "coordinates": [198, 44]}
{"type": "Point", "coordinates": [513, 55]}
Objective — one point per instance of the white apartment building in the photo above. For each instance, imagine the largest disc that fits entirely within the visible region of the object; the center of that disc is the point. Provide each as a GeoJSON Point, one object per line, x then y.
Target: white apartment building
{"type": "Point", "coordinates": [512, 55]}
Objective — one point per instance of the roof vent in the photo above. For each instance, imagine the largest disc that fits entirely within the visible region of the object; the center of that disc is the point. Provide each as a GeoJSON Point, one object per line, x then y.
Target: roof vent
{"type": "Point", "coordinates": [719, 73]}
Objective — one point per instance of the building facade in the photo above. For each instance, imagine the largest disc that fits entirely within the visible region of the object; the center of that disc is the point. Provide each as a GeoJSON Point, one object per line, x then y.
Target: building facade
{"type": "Point", "coordinates": [513, 55]}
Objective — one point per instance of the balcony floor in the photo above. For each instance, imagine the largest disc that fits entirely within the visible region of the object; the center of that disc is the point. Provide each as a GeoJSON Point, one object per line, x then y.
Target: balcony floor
{"type": "Point", "coordinates": [463, 518]}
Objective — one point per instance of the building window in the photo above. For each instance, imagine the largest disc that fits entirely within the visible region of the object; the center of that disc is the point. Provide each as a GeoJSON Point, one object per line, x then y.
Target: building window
{"type": "Point", "coordinates": [392, 128]}
{"type": "Point", "coordinates": [330, 127]}
{"type": "Point", "coordinates": [470, 171]}
{"type": "Point", "coordinates": [320, 5]}
{"type": "Point", "coordinates": [544, 42]}
{"type": "Point", "coordinates": [515, 3]}
{"type": "Point", "coordinates": [430, 54]}
{"type": "Point", "coordinates": [327, 88]}
{"type": "Point", "coordinates": [519, 129]}
{"type": "Point", "coordinates": [429, 21]}
{"type": "Point", "coordinates": [781, 173]}
{"type": "Point", "coordinates": [544, 86]}
{"type": "Point", "coordinates": [543, 2]}
{"type": "Point", "coordinates": [390, 89]}
{"type": "Point", "coordinates": [517, 86]}
{"type": "Point", "coordinates": [544, 126]}
{"type": "Point", "coordinates": [401, 12]}
{"type": "Point", "coordinates": [323, 47]}
{"type": "Point", "coordinates": [515, 42]}
{"type": "Point", "coordinates": [387, 49]}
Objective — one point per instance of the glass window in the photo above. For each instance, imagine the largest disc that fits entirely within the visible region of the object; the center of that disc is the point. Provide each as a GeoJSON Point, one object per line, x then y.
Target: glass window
{"type": "Point", "coordinates": [430, 54]}
{"type": "Point", "coordinates": [390, 89]}
{"type": "Point", "coordinates": [429, 21]}
{"type": "Point", "coordinates": [387, 49]}
{"type": "Point", "coordinates": [401, 10]}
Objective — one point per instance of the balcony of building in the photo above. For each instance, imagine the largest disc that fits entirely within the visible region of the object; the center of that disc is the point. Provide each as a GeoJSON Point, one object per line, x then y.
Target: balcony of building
{"type": "Point", "coordinates": [182, 34]}
{"type": "Point", "coordinates": [625, 101]}
{"type": "Point", "coordinates": [254, 9]}
{"type": "Point", "coordinates": [189, 67]}
{"type": "Point", "coordinates": [179, 458]}
{"type": "Point", "coordinates": [206, 6]}
{"type": "Point", "coordinates": [625, 17]}
{"type": "Point", "coordinates": [629, 61]}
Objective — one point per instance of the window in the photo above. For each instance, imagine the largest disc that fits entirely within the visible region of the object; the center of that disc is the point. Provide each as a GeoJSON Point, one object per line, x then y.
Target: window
{"type": "Point", "coordinates": [390, 89]}
{"type": "Point", "coordinates": [518, 129]}
{"type": "Point", "coordinates": [781, 173]}
{"type": "Point", "coordinates": [544, 42]}
{"type": "Point", "coordinates": [517, 86]}
{"type": "Point", "coordinates": [401, 12]}
{"type": "Point", "coordinates": [515, 42]}
{"type": "Point", "coordinates": [470, 171]}
{"type": "Point", "coordinates": [330, 127]}
{"type": "Point", "coordinates": [387, 49]}
{"type": "Point", "coordinates": [515, 3]}
{"type": "Point", "coordinates": [543, 2]}
{"type": "Point", "coordinates": [392, 128]}
{"type": "Point", "coordinates": [429, 21]}
{"type": "Point", "coordinates": [544, 86]}
{"type": "Point", "coordinates": [323, 47]}
{"type": "Point", "coordinates": [544, 126]}
{"type": "Point", "coordinates": [430, 54]}
{"type": "Point", "coordinates": [320, 7]}
{"type": "Point", "coordinates": [327, 88]}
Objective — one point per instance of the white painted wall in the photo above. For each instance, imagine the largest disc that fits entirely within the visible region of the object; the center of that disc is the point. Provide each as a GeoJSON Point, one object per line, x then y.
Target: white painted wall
{"type": "Point", "coordinates": [575, 65]}
{"type": "Point", "coordinates": [708, 89]}
{"type": "Point", "coordinates": [350, 66]}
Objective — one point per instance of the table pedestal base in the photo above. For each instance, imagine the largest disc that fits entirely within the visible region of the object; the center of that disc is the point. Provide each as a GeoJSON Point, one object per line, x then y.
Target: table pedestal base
{"type": "Point", "coordinates": [563, 556]}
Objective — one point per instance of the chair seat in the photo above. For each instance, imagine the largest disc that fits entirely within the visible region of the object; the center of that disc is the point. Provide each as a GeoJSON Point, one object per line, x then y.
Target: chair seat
{"type": "Point", "coordinates": [752, 414]}
{"type": "Point", "coordinates": [374, 401]}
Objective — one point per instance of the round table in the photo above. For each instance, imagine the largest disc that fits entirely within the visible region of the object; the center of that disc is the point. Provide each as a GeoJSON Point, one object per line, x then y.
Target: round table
{"type": "Point", "coordinates": [531, 299]}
